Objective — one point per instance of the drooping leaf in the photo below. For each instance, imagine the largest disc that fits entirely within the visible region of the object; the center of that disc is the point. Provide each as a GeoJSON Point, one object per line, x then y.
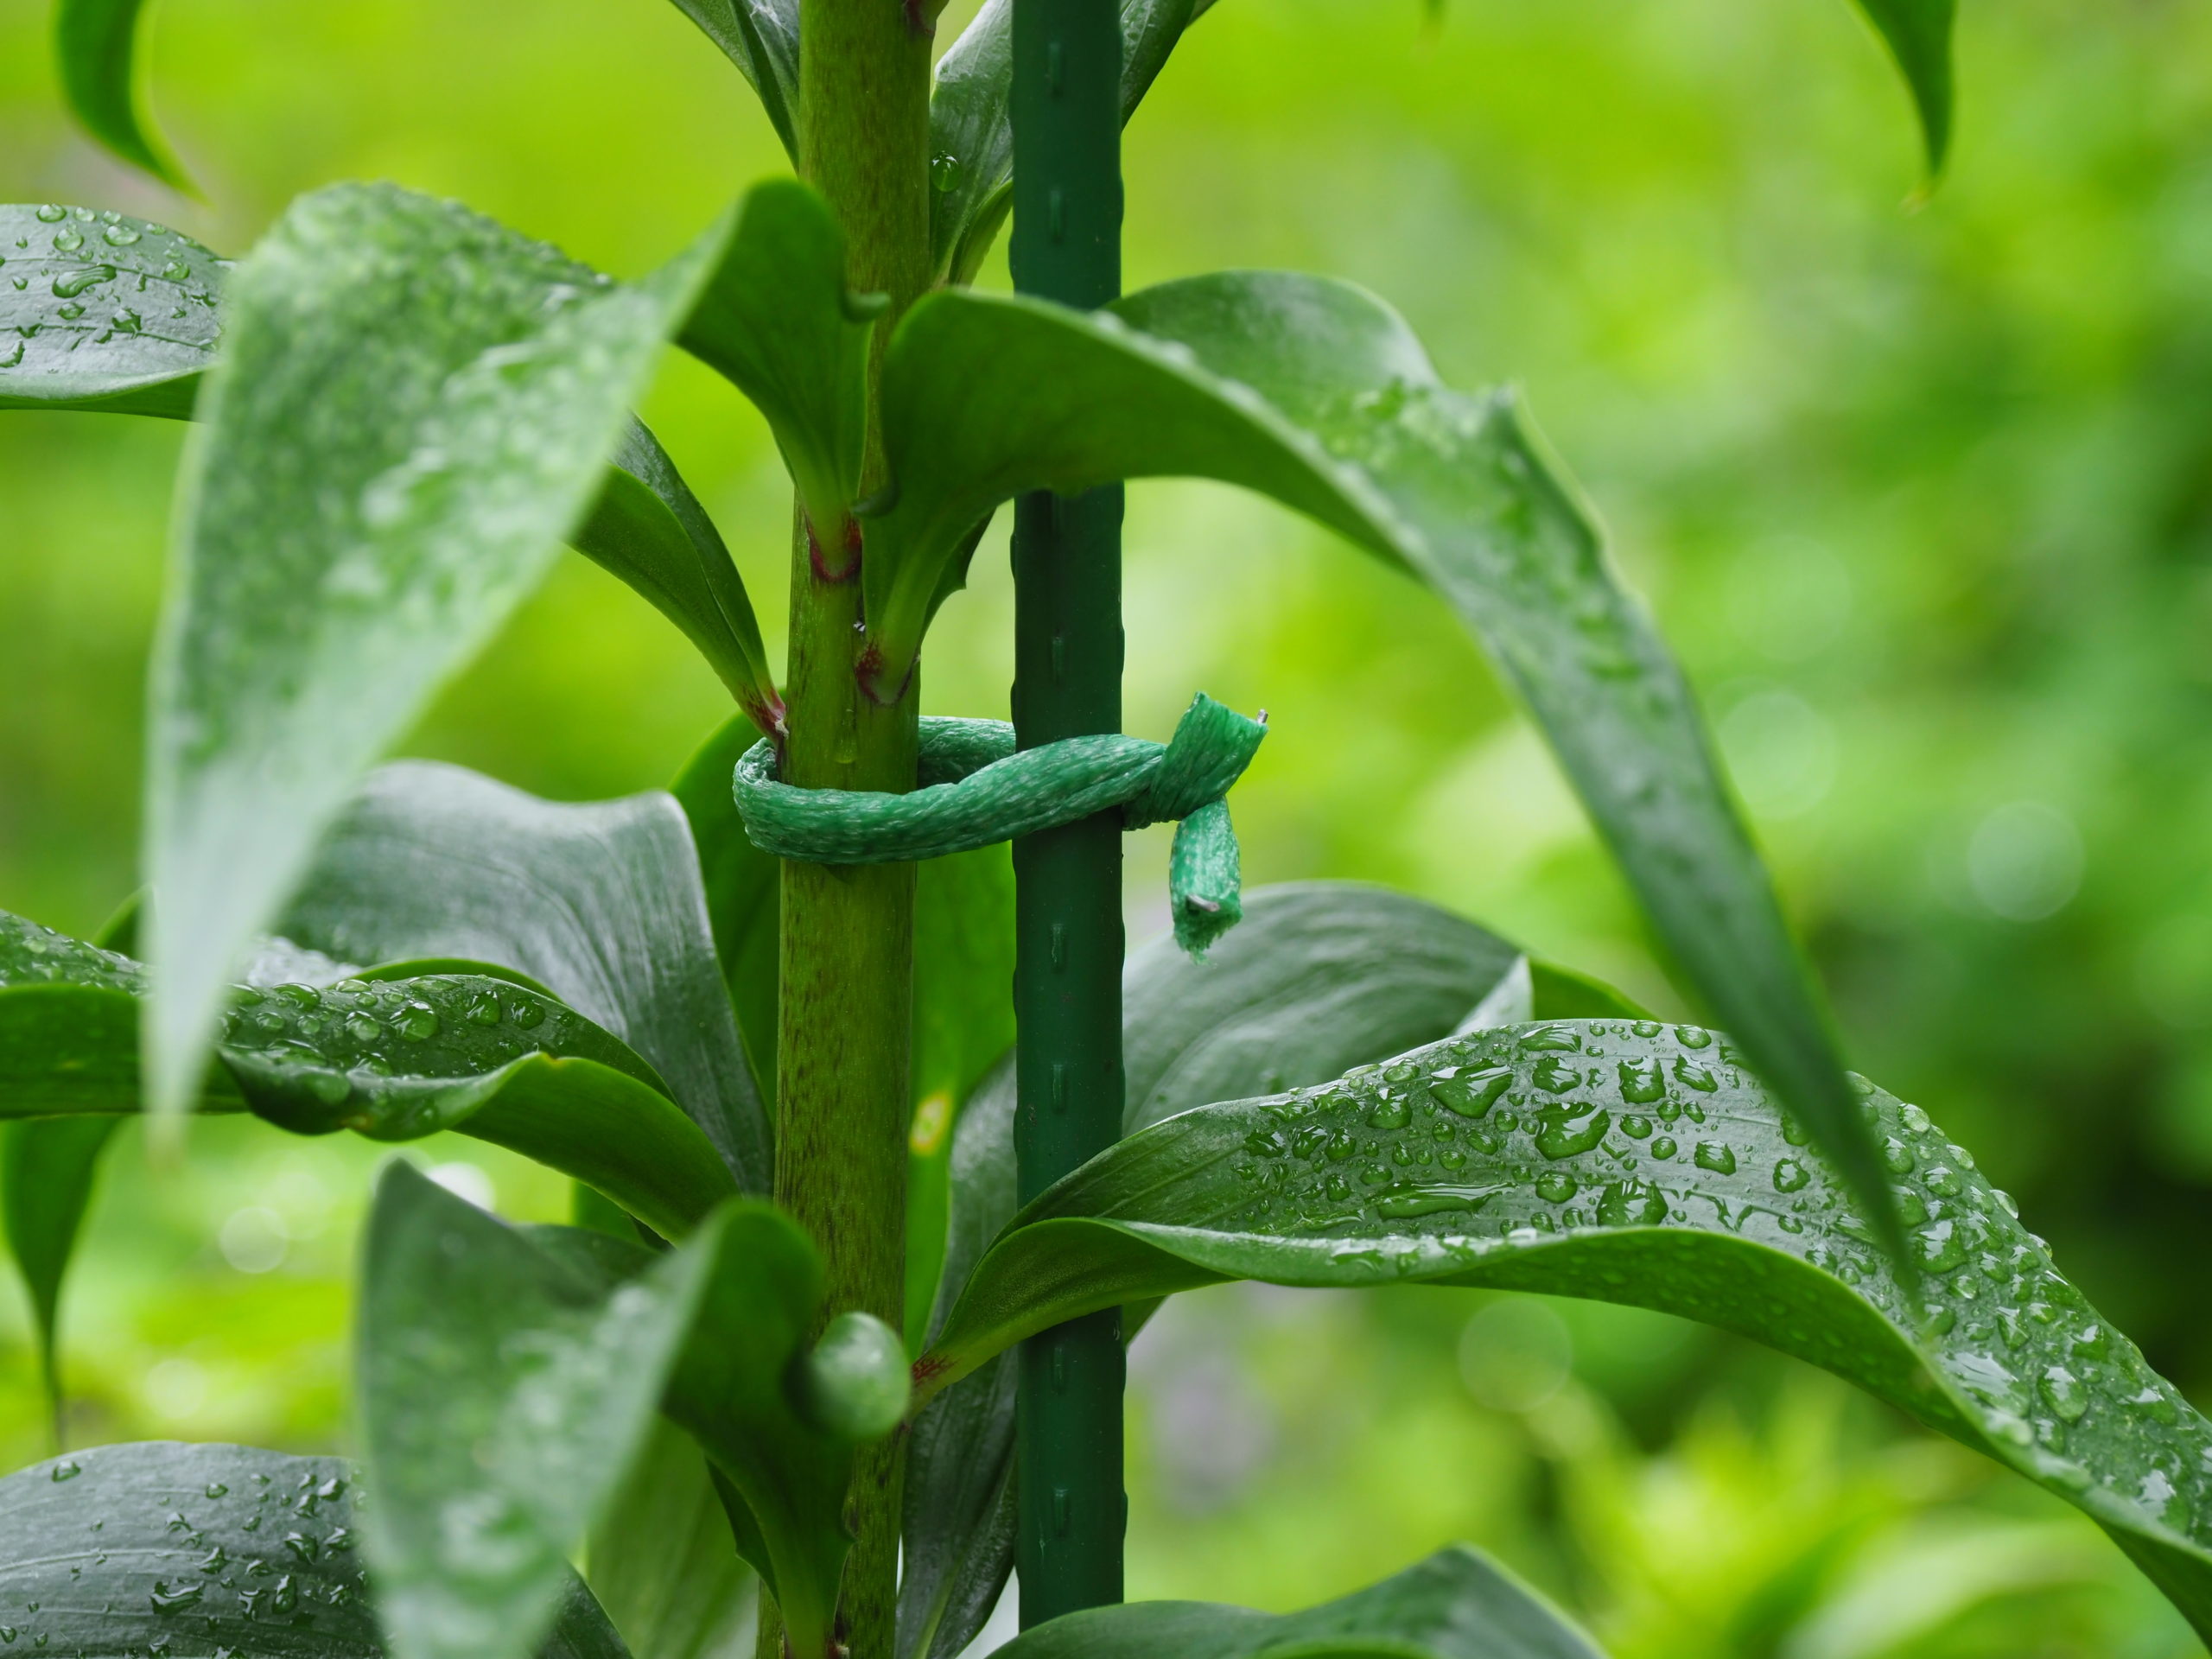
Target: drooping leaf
{"type": "Point", "coordinates": [743, 889]}
{"type": "Point", "coordinates": [648, 528]}
{"type": "Point", "coordinates": [761, 38]}
{"type": "Point", "coordinates": [96, 45]}
{"type": "Point", "coordinates": [600, 902]}
{"type": "Point", "coordinates": [394, 1061]}
{"type": "Point", "coordinates": [47, 1168]}
{"type": "Point", "coordinates": [971, 128]}
{"type": "Point", "coordinates": [509, 1382]}
{"type": "Point", "coordinates": [662, 1561]}
{"type": "Point", "coordinates": [776, 320]}
{"type": "Point", "coordinates": [208, 1548]}
{"type": "Point", "coordinates": [1457, 1603]}
{"type": "Point", "coordinates": [1318, 976]}
{"type": "Point", "coordinates": [102, 312]}
{"type": "Point", "coordinates": [1639, 1163]}
{"type": "Point", "coordinates": [1918, 34]}
{"type": "Point", "coordinates": [1314, 393]}
{"type": "Point", "coordinates": [410, 413]}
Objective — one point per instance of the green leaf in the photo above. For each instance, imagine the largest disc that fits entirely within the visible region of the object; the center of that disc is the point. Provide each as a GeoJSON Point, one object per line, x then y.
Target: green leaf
{"type": "Point", "coordinates": [215, 1549]}
{"type": "Point", "coordinates": [761, 38]}
{"type": "Point", "coordinates": [392, 1061]}
{"type": "Point", "coordinates": [963, 1021]}
{"type": "Point", "coordinates": [743, 889]}
{"type": "Point", "coordinates": [648, 528]}
{"type": "Point", "coordinates": [1456, 1604]}
{"type": "Point", "coordinates": [775, 319]}
{"type": "Point", "coordinates": [601, 902]}
{"type": "Point", "coordinates": [1918, 34]}
{"type": "Point", "coordinates": [1636, 1163]}
{"type": "Point", "coordinates": [46, 1167]}
{"type": "Point", "coordinates": [971, 128]}
{"type": "Point", "coordinates": [662, 1561]}
{"type": "Point", "coordinates": [509, 1382]}
{"type": "Point", "coordinates": [1314, 393]}
{"type": "Point", "coordinates": [105, 313]}
{"type": "Point", "coordinates": [96, 47]}
{"type": "Point", "coordinates": [410, 413]}
{"type": "Point", "coordinates": [1318, 976]}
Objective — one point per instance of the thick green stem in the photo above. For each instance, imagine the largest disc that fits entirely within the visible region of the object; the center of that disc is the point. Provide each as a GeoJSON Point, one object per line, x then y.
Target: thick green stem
{"type": "Point", "coordinates": [842, 1043]}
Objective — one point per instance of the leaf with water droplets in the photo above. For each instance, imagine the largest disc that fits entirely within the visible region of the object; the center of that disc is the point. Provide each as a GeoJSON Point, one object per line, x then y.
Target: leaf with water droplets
{"type": "Point", "coordinates": [600, 902]}
{"type": "Point", "coordinates": [96, 47]}
{"type": "Point", "coordinates": [1315, 393]}
{"type": "Point", "coordinates": [390, 1059]}
{"type": "Point", "coordinates": [410, 413]}
{"type": "Point", "coordinates": [1458, 1604]}
{"type": "Point", "coordinates": [509, 1380]}
{"type": "Point", "coordinates": [1727, 1219]}
{"type": "Point", "coordinates": [165, 1547]}
{"type": "Point", "coordinates": [105, 313]}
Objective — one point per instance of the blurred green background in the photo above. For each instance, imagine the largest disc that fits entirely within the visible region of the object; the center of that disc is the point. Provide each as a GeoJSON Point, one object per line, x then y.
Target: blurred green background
{"type": "Point", "coordinates": [1923, 497]}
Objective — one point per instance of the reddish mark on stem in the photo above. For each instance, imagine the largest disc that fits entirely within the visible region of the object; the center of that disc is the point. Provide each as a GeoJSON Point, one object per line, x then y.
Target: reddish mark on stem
{"type": "Point", "coordinates": [928, 1369]}
{"type": "Point", "coordinates": [850, 544]}
{"type": "Point", "coordinates": [768, 715]}
{"type": "Point", "coordinates": [917, 23]}
{"type": "Point", "coordinates": [869, 670]}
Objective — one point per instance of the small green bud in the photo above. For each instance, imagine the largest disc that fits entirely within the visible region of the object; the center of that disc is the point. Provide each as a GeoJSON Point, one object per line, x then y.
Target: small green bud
{"type": "Point", "coordinates": [854, 1384]}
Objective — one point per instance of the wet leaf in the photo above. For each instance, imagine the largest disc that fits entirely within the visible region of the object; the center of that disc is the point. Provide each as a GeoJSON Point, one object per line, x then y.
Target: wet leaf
{"type": "Point", "coordinates": [1638, 1163]}
{"type": "Point", "coordinates": [410, 413]}
{"type": "Point", "coordinates": [207, 1548]}
{"type": "Point", "coordinates": [1456, 1604]}
{"type": "Point", "coordinates": [1315, 393]}
{"type": "Point", "coordinates": [392, 1061]}
{"type": "Point", "coordinates": [102, 312]}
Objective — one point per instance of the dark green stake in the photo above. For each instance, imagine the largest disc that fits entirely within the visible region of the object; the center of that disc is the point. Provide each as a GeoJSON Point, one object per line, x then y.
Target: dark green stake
{"type": "Point", "coordinates": [1067, 985]}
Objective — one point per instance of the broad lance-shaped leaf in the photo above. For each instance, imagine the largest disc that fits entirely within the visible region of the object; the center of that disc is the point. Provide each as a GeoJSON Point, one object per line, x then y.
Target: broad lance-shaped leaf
{"type": "Point", "coordinates": [508, 1380]}
{"type": "Point", "coordinates": [1639, 1163]}
{"type": "Point", "coordinates": [1458, 1604]}
{"type": "Point", "coordinates": [1316, 393]}
{"type": "Point", "coordinates": [662, 1561]}
{"type": "Point", "coordinates": [1318, 976]}
{"type": "Point", "coordinates": [392, 1061]}
{"type": "Point", "coordinates": [47, 1169]}
{"type": "Point", "coordinates": [96, 47]}
{"type": "Point", "coordinates": [101, 312]}
{"type": "Point", "coordinates": [600, 902]}
{"type": "Point", "coordinates": [971, 125]}
{"type": "Point", "coordinates": [409, 415]}
{"type": "Point", "coordinates": [172, 1548]}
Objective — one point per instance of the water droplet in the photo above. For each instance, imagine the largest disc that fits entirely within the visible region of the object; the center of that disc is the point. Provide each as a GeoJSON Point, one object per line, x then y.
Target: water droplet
{"type": "Point", "coordinates": [1559, 1137]}
{"type": "Point", "coordinates": [945, 171]}
{"type": "Point", "coordinates": [1663, 1147]}
{"type": "Point", "coordinates": [483, 1010]}
{"type": "Point", "coordinates": [1897, 1157]}
{"type": "Point", "coordinates": [1695, 1077]}
{"type": "Point", "coordinates": [1404, 1202]}
{"type": "Point", "coordinates": [419, 1022]}
{"type": "Point", "coordinates": [70, 284]}
{"type": "Point", "coordinates": [1790, 1176]}
{"type": "Point", "coordinates": [67, 1469]}
{"type": "Point", "coordinates": [1390, 1112]}
{"type": "Point", "coordinates": [1693, 1037]}
{"type": "Point", "coordinates": [167, 1598]}
{"type": "Point", "coordinates": [118, 236]}
{"type": "Point", "coordinates": [1550, 1040]}
{"type": "Point", "coordinates": [1915, 1119]}
{"type": "Point", "coordinates": [362, 1029]}
{"type": "Point", "coordinates": [1637, 1129]}
{"type": "Point", "coordinates": [70, 312]}
{"type": "Point", "coordinates": [1556, 1186]}
{"type": "Point", "coordinates": [1715, 1155]}
{"type": "Point", "coordinates": [216, 1489]}
{"type": "Point", "coordinates": [331, 1088]}
{"type": "Point", "coordinates": [1942, 1182]}
{"type": "Point", "coordinates": [52, 214]}
{"type": "Point", "coordinates": [1472, 1095]}
{"type": "Point", "coordinates": [1942, 1246]}
{"type": "Point", "coordinates": [1641, 1082]}
{"type": "Point", "coordinates": [67, 241]}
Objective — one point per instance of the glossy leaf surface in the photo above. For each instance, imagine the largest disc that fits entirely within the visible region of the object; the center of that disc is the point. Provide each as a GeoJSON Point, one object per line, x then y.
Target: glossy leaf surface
{"type": "Point", "coordinates": [1318, 976]}
{"type": "Point", "coordinates": [775, 319]}
{"type": "Point", "coordinates": [1639, 1163]}
{"type": "Point", "coordinates": [649, 529]}
{"type": "Point", "coordinates": [1315, 393]}
{"type": "Point", "coordinates": [761, 38]}
{"type": "Point", "coordinates": [96, 46]}
{"type": "Point", "coordinates": [392, 1061]}
{"type": "Point", "coordinates": [510, 1380]}
{"type": "Point", "coordinates": [743, 888]}
{"type": "Point", "coordinates": [102, 312]}
{"type": "Point", "coordinates": [971, 128]}
{"type": "Point", "coordinates": [412, 412]}
{"type": "Point", "coordinates": [1456, 1604]}
{"type": "Point", "coordinates": [207, 1548]}
{"type": "Point", "coordinates": [600, 902]}
{"type": "Point", "coordinates": [47, 1168]}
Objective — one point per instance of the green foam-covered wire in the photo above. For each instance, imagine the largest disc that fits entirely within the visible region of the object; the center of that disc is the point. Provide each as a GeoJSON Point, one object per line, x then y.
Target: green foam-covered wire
{"type": "Point", "coordinates": [977, 789]}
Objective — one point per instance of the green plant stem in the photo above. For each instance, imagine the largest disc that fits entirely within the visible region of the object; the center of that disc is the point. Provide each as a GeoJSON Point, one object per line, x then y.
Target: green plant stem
{"type": "Point", "coordinates": [847, 933]}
